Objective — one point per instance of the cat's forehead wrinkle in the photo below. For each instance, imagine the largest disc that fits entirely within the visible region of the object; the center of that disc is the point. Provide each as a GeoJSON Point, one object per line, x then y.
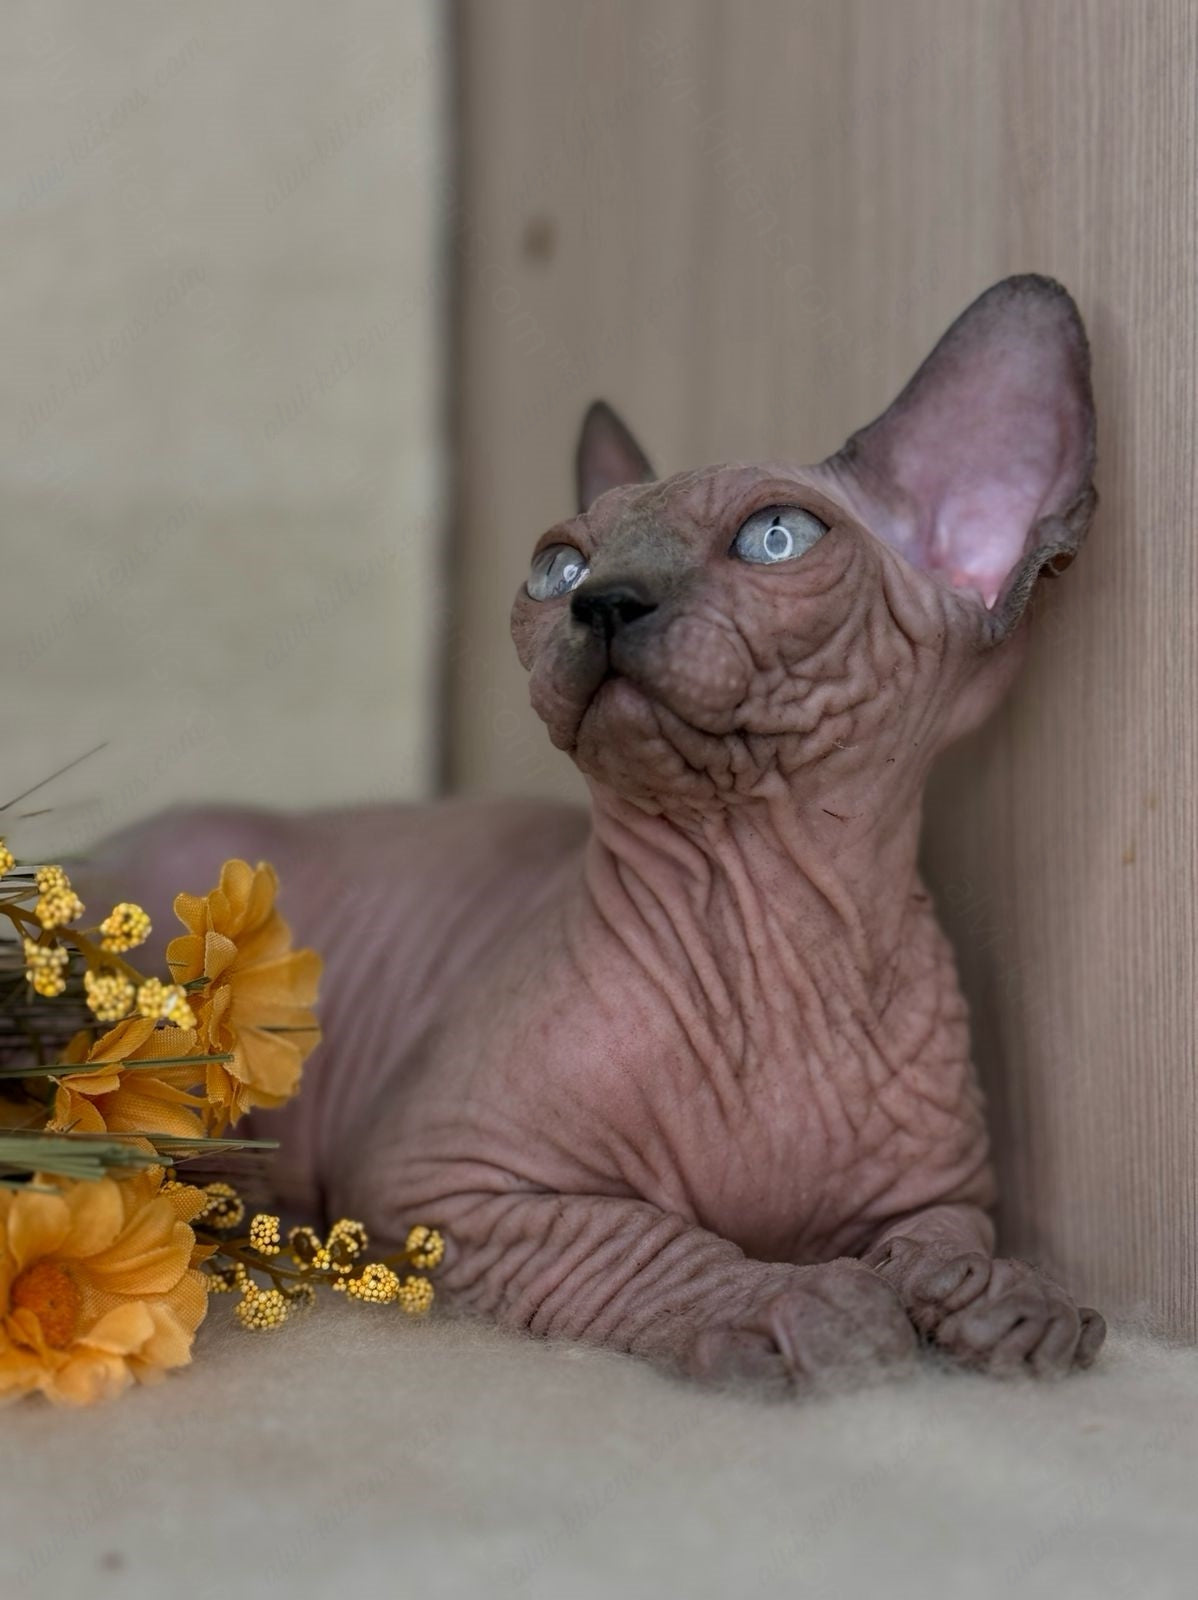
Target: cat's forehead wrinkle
{"type": "Point", "coordinates": [708, 495]}
{"type": "Point", "coordinates": [698, 501]}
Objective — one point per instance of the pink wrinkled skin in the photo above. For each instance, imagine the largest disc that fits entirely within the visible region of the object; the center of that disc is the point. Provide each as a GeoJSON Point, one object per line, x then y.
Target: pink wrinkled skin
{"type": "Point", "coordinates": [690, 1077]}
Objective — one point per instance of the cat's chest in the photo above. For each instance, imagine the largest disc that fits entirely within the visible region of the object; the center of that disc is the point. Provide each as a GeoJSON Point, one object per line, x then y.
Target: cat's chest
{"type": "Point", "coordinates": [791, 1122]}
{"type": "Point", "coordinates": [789, 1129]}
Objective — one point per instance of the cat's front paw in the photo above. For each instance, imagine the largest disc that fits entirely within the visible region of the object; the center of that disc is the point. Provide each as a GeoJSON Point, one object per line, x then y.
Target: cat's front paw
{"type": "Point", "coordinates": [833, 1325]}
{"type": "Point", "coordinates": [997, 1316]}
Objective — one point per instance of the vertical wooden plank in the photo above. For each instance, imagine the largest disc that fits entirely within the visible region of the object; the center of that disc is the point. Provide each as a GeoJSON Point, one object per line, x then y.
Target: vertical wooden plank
{"type": "Point", "coordinates": [1064, 836]}
{"type": "Point", "coordinates": [745, 226]}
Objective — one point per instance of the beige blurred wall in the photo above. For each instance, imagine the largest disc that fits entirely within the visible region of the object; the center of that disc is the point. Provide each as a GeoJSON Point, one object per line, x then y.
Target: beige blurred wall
{"type": "Point", "coordinates": [222, 463]}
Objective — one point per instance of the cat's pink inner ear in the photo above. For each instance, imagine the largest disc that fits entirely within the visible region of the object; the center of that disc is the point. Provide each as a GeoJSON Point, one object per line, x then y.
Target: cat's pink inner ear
{"type": "Point", "coordinates": [607, 456]}
{"type": "Point", "coordinates": [993, 435]}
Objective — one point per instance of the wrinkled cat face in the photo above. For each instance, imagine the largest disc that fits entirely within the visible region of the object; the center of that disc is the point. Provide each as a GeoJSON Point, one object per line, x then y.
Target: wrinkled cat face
{"type": "Point", "coordinates": [700, 639]}
{"type": "Point", "coordinates": [679, 668]}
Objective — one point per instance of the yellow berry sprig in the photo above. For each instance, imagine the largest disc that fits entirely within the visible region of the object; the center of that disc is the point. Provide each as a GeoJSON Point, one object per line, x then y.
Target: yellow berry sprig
{"type": "Point", "coordinates": [335, 1261]}
{"type": "Point", "coordinates": [112, 989]}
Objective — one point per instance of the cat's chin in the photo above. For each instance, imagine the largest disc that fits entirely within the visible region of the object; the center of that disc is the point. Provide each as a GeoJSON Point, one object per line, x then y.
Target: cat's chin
{"type": "Point", "coordinates": [630, 740]}
{"type": "Point", "coordinates": [616, 703]}
{"type": "Point", "coordinates": [615, 691]}
{"type": "Point", "coordinates": [625, 733]}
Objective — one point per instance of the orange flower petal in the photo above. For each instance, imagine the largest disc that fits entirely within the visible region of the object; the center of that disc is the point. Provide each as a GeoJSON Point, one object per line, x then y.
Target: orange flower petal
{"type": "Point", "coordinates": [142, 1110]}
{"type": "Point", "coordinates": [19, 1373]}
{"type": "Point", "coordinates": [220, 913]}
{"type": "Point", "coordinates": [122, 1330]}
{"type": "Point", "coordinates": [175, 1324]}
{"type": "Point", "coordinates": [75, 1111]}
{"type": "Point", "coordinates": [168, 1041]}
{"type": "Point", "coordinates": [185, 957]}
{"type": "Point", "coordinates": [219, 955]}
{"type": "Point", "coordinates": [292, 979]}
{"type": "Point", "coordinates": [186, 1201]}
{"type": "Point", "coordinates": [192, 912]}
{"type": "Point", "coordinates": [149, 1257]}
{"type": "Point", "coordinates": [86, 1378]}
{"type": "Point", "coordinates": [93, 1083]}
{"type": "Point", "coordinates": [97, 1216]}
{"type": "Point", "coordinates": [123, 1041]}
{"type": "Point", "coordinates": [267, 1062]}
{"type": "Point", "coordinates": [267, 943]}
{"type": "Point", "coordinates": [37, 1225]}
{"type": "Point", "coordinates": [237, 885]}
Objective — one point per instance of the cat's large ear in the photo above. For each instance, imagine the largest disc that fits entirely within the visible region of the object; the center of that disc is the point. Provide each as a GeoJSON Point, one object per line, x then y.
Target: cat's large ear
{"type": "Point", "coordinates": [607, 456]}
{"type": "Point", "coordinates": [980, 472]}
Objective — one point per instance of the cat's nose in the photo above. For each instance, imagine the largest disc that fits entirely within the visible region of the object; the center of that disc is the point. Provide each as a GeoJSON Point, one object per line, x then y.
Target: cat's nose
{"type": "Point", "coordinates": [611, 606]}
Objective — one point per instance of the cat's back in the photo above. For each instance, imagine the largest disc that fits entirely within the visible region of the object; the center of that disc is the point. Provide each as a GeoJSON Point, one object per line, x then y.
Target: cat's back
{"type": "Point", "coordinates": [376, 877]}
{"type": "Point", "coordinates": [404, 903]}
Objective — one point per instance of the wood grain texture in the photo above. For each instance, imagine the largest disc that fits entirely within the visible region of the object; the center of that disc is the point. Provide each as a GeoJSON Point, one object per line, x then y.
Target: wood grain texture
{"type": "Point", "coordinates": [744, 226]}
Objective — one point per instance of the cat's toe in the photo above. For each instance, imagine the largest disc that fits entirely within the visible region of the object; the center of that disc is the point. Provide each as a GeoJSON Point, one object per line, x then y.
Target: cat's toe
{"type": "Point", "coordinates": [739, 1357]}
{"type": "Point", "coordinates": [833, 1325]}
{"type": "Point", "coordinates": [1011, 1319]}
{"type": "Point", "coordinates": [1092, 1338]}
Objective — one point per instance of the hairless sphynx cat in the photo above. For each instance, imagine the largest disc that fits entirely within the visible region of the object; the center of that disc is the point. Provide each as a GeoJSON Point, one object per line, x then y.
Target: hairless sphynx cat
{"type": "Point", "coordinates": [691, 1078]}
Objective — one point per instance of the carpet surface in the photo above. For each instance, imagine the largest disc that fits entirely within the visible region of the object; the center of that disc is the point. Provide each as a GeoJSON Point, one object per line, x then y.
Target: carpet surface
{"type": "Point", "coordinates": [359, 1454]}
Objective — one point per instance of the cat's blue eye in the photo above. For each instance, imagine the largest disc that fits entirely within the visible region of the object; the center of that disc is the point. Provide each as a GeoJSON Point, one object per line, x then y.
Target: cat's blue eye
{"type": "Point", "coordinates": [779, 533]}
{"type": "Point", "coordinates": [555, 571]}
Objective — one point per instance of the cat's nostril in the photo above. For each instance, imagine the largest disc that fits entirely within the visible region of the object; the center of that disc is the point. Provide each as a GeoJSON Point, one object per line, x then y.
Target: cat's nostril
{"type": "Point", "coordinates": [608, 607]}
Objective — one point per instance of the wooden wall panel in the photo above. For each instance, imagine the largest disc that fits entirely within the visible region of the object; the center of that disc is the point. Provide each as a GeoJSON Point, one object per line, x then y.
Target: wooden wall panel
{"type": "Point", "coordinates": [744, 225]}
{"type": "Point", "coordinates": [1066, 834]}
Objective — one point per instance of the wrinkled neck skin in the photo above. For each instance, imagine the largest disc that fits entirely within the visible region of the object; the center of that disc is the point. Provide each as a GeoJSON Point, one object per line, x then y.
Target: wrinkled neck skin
{"type": "Point", "coordinates": [805, 881]}
{"type": "Point", "coordinates": [782, 896]}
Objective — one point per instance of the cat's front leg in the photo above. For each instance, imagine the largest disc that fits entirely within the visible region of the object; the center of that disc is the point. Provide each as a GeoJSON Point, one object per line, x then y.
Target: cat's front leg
{"type": "Point", "coordinates": [989, 1313]}
{"type": "Point", "coordinates": [623, 1274]}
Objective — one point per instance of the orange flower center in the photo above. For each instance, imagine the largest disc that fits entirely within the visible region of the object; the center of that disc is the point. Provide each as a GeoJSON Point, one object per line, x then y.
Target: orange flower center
{"type": "Point", "coordinates": [50, 1292]}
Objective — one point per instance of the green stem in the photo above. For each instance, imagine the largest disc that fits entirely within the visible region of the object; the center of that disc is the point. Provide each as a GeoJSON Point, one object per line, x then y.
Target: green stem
{"type": "Point", "coordinates": [257, 1263]}
{"type": "Point", "coordinates": [103, 958]}
{"type": "Point", "coordinates": [74, 939]}
{"type": "Point", "coordinates": [72, 1069]}
{"type": "Point", "coordinates": [9, 909]}
{"type": "Point", "coordinates": [236, 1250]}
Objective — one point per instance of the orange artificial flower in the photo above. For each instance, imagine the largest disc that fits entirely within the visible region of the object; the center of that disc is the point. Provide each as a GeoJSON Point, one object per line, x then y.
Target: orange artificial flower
{"type": "Point", "coordinates": [114, 1100]}
{"type": "Point", "coordinates": [97, 1286]}
{"type": "Point", "coordinates": [259, 992]}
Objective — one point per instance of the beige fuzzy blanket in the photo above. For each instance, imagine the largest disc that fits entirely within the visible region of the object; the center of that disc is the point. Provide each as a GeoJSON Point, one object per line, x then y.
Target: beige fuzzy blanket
{"type": "Point", "coordinates": [357, 1453]}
